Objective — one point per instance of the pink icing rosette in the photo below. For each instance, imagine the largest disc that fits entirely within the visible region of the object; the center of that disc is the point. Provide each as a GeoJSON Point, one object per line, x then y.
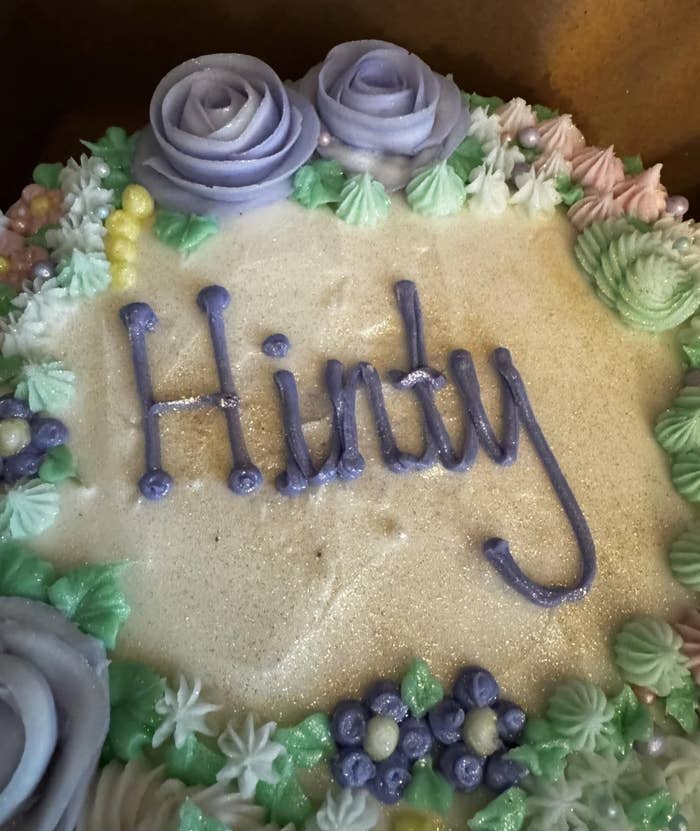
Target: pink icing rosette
{"type": "Point", "coordinates": [226, 135]}
{"type": "Point", "coordinates": [384, 111]}
{"type": "Point", "coordinates": [642, 195]}
{"type": "Point", "coordinates": [594, 207]}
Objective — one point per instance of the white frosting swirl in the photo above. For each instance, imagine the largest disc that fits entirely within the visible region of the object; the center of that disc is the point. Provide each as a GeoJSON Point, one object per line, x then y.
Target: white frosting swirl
{"type": "Point", "coordinates": [515, 115]}
{"type": "Point", "coordinates": [536, 194]}
{"type": "Point", "coordinates": [487, 191]}
{"type": "Point", "coordinates": [597, 169]}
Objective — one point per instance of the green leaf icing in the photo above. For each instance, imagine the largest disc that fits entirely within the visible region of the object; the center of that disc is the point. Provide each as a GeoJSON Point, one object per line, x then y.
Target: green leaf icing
{"type": "Point", "coordinates": [363, 201]}
{"type": "Point", "coordinates": [420, 689]}
{"type": "Point", "coordinates": [545, 759]}
{"type": "Point", "coordinates": [685, 475]}
{"type": "Point", "coordinates": [57, 466]}
{"type": "Point", "coordinates": [7, 295]}
{"type": "Point", "coordinates": [195, 763]}
{"type": "Point", "coordinates": [652, 812]}
{"type": "Point", "coordinates": [192, 819]}
{"type": "Point", "coordinates": [309, 743]}
{"type": "Point", "coordinates": [48, 175]}
{"type": "Point", "coordinates": [436, 191]}
{"type": "Point", "coordinates": [505, 813]}
{"type": "Point", "coordinates": [40, 237]}
{"type": "Point", "coordinates": [489, 103]}
{"type": "Point", "coordinates": [285, 802]}
{"type": "Point", "coordinates": [428, 790]}
{"type": "Point", "coordinates": [10, 368]}
{"type": "Point", "coordinates": [92, 598]}
{"type": "Point", "coordinates": [689, 340]}
{"type": "Point", "coordinates": [28, 509]}
{"type": "Point", "coordinates": [569, 191]}
{"type": "Point", "coordinates": [682, 705]}
{"type": "Point", "coordinates": [319, 182]}
{"type": "Point", "coordinates": [116, 147]}
{"type": "Point", "coordinates": [133, 691]}
{"type": "Point", "coordinates": [678, 429]}
{"type": "Point", "coordinates": [685, 559]}
{"type": "Point", "coordinates": [648, 654]}
{"type": "Point", "coordinates": [184, 232]}
{"type": "Point", "coordinates": [578, 712]}
{"type": "Point", "coordinates": [640, 275]}
{"type": "Point", "coordinates": [47, 387]}
{"type": "Point", "coordinates": [633, 164]}
{"type": "Point", "coordinates": [466, 157]}
{"type": "Point", "coordinates": [632, 721]}
{"type": "Point", "coordinates": [22, 574]}
{"type": "Point", "coordinates": [84, 275]}
{"type": "Point", "coordinates": [544, 113]}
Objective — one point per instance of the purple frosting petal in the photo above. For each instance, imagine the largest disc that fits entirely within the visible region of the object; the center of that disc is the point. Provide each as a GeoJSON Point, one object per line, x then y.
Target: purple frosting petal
{"type": "Point", "coordinates": [225, 136]}
{"type": "Point", "coordinates": [378, 98]}
{"type": "Point", "coordinates": [53, 682]}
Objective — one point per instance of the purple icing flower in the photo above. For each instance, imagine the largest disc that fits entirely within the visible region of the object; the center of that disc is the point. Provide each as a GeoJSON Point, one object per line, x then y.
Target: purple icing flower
{"type": "Point", "coordinates": [225, 136]}
{"type": "Point", "coordinates": [383, 110]}
{"type": "Point", "coordinates": [54, 716]}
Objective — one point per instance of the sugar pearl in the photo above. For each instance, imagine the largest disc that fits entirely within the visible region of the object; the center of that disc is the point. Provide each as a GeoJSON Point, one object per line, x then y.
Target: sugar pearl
{"type": "Point", "coordinates": [381, 738]}
{"type": "Point", "coordinates": [678, 823]}
{"type": "Point", "coordinates": [608, 808]}
{"type": "Point", "coordinates": [480, 731]}
{"type": "Point", "coordinates": [14, 436]}
{"type": "Point", "coordinates": [42, 270]}
{"type": "Point", "coordinates": [101, 169]}
{"type": "Point", "coordinates": [677, 206]}
{"type": "Point", "coordinates": [653, 746]}
{"type": "Point", "coordinates": [324, 138]}
{"type": "Point", "coordinates": [529, 137]}
{"type": "Point", "coordinates": [682, 244]}
{"type": "Point", "coordinates": [644, 694]}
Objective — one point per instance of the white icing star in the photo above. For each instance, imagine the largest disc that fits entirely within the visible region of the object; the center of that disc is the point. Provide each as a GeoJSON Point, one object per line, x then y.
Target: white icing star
{"type": "Point", "coordinates": [23, 336]}
{"type": "Point", "coordinates": [504, 156]}
{"type": "Point", "coordinates": [346, 811]}
{"type": "Point", "coordinates": [84, 234]}
{"type": "Point", "coordinates": [251, 754]}
{"type": "Point", "coordinates": [44, 302]}
{"type": "Point", "coordinates": [486, 128]}
{"type": "Point", "coordinates": [88, 172]}
{"type": "Point", "coordinates": [535, 193]}
{"type": "Point", "coordinates": [184, 714]}
{"type": "Point", "coordinates": [487, 191]}
{"type": "Point", "coordinates": [92, 202]}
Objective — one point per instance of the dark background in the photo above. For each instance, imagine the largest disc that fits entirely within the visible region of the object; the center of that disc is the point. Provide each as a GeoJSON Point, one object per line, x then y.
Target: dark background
{"type": "Point", "coordinates": [629, 70]}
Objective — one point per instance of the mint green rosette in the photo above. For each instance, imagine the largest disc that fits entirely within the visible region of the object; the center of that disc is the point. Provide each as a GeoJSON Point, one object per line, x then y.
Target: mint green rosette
{"type": "Point", "coordinates": [685, 475]}
{"type": "Point", "coordinates": [578, 712]}
{"type": "Point", "coordinates": [678, 429]}
{"type": "Point", "coordinates": [684, 557]}
{"type": "Point", "coordinates": [648, 654]}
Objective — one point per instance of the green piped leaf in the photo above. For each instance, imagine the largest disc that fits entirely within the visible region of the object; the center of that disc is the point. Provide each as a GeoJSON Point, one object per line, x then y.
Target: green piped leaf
{"type": "Point", "coordinates": [319, 182]}
{"type": "Point", "coordinates": [546, 758]}
{"type": "Point", "coordinates": [10, 368]}
{"type": "Point", "coordinates": [192, 819]}
{"type": "Point", "coordinates": [184, 232]}
{"type": "Point", "coordinates": [284, 802]}
{"type": "Point", "coordinates": [633, 164]}
{"type": "Point", "coordinates": [652, 812]}
{"type": "Point", "coordinates": [133, 690]}
{"type": "Point", "coordinates": [40, 237]}
{"type": "Point", "coordinates": [48, 175]}
{"type": "Point", "coordinates": [309, 743]}
{"type": "Point", "coordinates": [436, 191]}
{"type": "Point", "coordinates": [505, 813]}
{"type": "Point", "coordinates": [116, 147]}
{"type": "Point", "coordinates": [22, 574]}
{"type": "Point", "coordinates": [632, 721]}
{"type": "Point", "coordinates": [489, 103]}
{"type": "Point", "coordinates": [195, 763]}
{"type": "Point", "coordinates": [428, 790]}
{"type": "Point", "coordinates": [92, 598]}
{"type": "Point", "coordinates": [7, 295]}
{"type": "Point", "coordinates": [363, 201]}
{"type": "Point", "coordinates": [569, 191]}
{"type": "Point", "coordinates": [466, 157]}
{"type": "Point", "coordinates": [682, 705]}
{"type": "Point", "coordinates": [544, 113]}
{"type": "Point", "coordinates": [420, 689]}
{"type": "Point", "coordinates": [58, 465]}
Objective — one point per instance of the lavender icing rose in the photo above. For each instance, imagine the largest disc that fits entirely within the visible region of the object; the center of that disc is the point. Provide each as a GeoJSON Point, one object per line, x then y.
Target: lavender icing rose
{"type": "Point", "coordinates": [54, 716]}
{"type": "Point", "coordinates": [384, 111]}
{"type": "Point", "coordinates": [225, 136]}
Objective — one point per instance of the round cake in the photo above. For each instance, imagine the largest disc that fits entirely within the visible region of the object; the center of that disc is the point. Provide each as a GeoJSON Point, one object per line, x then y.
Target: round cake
{"type": "Point", "coordinates": [349, 433]}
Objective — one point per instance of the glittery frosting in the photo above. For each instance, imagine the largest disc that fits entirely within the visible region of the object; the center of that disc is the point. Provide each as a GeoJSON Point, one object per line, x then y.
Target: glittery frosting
{"type": "Point", "coordinates": [560, 133]}
{"type": "Point", "coordinates": [594, 207]}
{"type": "Point", "coordinates": [642, 195]}
{"type": "Point", "coordinates": [689, 630]}
{"type": "Point", "coordinates": [515, 115]}
{"type": "Point", "coordinates": [225, 136]}
{"type": "Point", "coordinates": [597, 169]}
{"type": "Point", "coordinates": [386, 112]}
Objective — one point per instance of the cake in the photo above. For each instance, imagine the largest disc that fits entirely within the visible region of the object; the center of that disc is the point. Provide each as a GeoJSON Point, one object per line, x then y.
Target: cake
{"type": "Point", "coordinates": [346, 457]}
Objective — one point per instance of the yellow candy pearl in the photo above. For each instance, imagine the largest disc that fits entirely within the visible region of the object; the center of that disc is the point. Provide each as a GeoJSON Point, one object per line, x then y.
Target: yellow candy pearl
{"type": "Point", "coordinates": [4, 265]}
{"type": "Point", "coordinates": [40, 206]}
{"type": "Point", "coordinates": [137, 201]}
{"type": "Point", "coordinates": [122, 224]}
{"type": "Point", "coordinates": [123, 276]}
{"type": "Point", "coordinates": [120, 249]}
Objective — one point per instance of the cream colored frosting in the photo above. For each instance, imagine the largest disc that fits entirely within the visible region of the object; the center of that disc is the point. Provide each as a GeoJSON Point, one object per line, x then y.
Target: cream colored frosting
{"type": "Point", "coordinates": [282, 605]}
{"type": "Point", "coordinates": [597, 169]}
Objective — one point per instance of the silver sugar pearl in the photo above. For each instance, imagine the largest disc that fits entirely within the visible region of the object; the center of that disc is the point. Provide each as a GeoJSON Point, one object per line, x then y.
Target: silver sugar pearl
{"type": "Point", "coordinates": [682, 244]}
{"type": "Point", "coordinates": [677, 206]}
{"type": "Point", "coordinates": [42, 270]}
{"type": "Point", "coordinates": [608, 808]}
{"type": "Point", "coordinates": [678, 823]}
{"type": "Point", "coordinates": [528, 137]}
{"type": "Point", "coordinates": [653, 746]}
{"type": "Point", "coordinates": [324, 138]}
{"type": "Point", "coordinates": [103, 212]}
{"type": "Point", "coordinates": [101, 169]}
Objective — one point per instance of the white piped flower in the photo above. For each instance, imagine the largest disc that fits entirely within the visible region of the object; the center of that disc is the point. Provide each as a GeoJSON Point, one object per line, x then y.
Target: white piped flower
{"type": "Point", "coordinates": [184, 714]}
{"type": "Point", "coordinates": [24, 337]}
{"type": "Point", "coordinates": [84, 234]}
{"type": "Point", "coordinates": [487, 191]}
{"type": "Point", "coordinates": [346, 811]}
{"type": "Point", "coordinates": [92, 202]}
{"type": "Point", "coordinates": [88, 172]}
{"type": "Point", "coordinates": [535, 193]}
{"type": "Point", "coordinates": [45, 302]}
{"type": "Point", "coordinates": [251, 754]}
{"type": "Point", "coordinates": [485, 128]}
{"type": "Point", "coordinates": [553, 165]}
{"type": "Point", "coordinates": [504, 156]}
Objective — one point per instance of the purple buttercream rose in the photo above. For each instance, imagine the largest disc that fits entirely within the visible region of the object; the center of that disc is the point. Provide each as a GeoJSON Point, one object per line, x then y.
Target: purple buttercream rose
{"type": "Point", "coordinates": [226, 135]}
{"type": "Point", "coordinates": [384, 111]}
{"type": "Point", "coordinates": [54, 716]}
